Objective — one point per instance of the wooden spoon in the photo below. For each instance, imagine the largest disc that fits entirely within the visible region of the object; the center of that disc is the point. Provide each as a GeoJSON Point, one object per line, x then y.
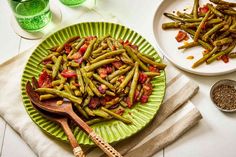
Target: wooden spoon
{"type": "Point", "coordinates": [63, 121]}
{"type": "Point", "coordinates": [66, 109]}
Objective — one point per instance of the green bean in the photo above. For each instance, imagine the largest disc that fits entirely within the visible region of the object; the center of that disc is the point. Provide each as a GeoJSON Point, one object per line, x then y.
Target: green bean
{"type": "Point", "coordinates": [94, 88]}
{"type": "Point", "coordinates": [99, 40]}
{"type": "Point", "coordinates": [184, 15]}
{"type": "Point", "coordinates": [195, 9]}
{"type": "Point", "coordinates": [134, 83]}
{"type": "Point", "coordinates": [110, 93]}
{"type": "Point", "coordinates": [89, 111]}
{"type": "Point", "coordinates": [110, 45]}
{"type": "Point", "coordinates": [118, 72]}
{"type": "Point", "coordinates": [160, 66]}
{"type": "Point", "coordinates": [213, 21]}
{"type": "Point", "coordinates": [199, 29]}
{"type": "Point", "coordinates": [215, 11]}
{"type": "Point", "coordinates": [126, 80]}
{"type": "Point", "coordinates": [188, 45]}
{"type": "Point", "coordinates": [126, 91]}
{"type": "Point", "coordinates": [124, 104]}
{"type": "Point", "coordinates": [55, 54]}
{"type": "Point", "coordinates": [77, 92]}
{"type": "Point", "coordinates": [114, 79]}
{"type": "Point", "coordinates": [125, 120]}
{"type": "Point", "coordinates": [89, 49]}
{"type": "Point", "coordinates": [173, 17]}
{"type": "Point", "coordinates": [112, 102]}
{"type": "Point", "coordinates": [53, 49]}
{"type": "Point", "coordinates": [152, 74]}
{"type": "Point", "coordinates": [60, 94]}
{"type": "Point", "coordinates": [205, 57]}
{"type": "Point", "coordinates": [46, 97]}
{"type": "Point", "coordinates": [99, 64]}
{"type": "Point", "coordinates": [56, 67]}
{"type": "Point", "coordinates": [56, 83]}
{"type": "Point", "coordinates": [76, 48]}
{"type": "Point", "coordinates": [80, 80]}
{"type": "Point", "coordinates": [192, 25]}
{"type": "Point", "coordinates": [98, 78]}
{"type": "Point", "coordinates": [61, 47]}
{"type": "Point", "coordinates": [171, 25]}
{"type": "Point", "coordinates": [112, 53]}
{"type": "Point", "coordinates": [94, 121]}
{"type": "Point", "coordinates": [135, 58]}
{"type": "Point", "coordinates": [68, 89]}
{"type": "Point", "coordinates": [54, 59]}
{"type": "Point", "coordinates": [223, 41]}
{"type": "Point", "coordinates": [49, 66]}
{"type": "Point", "coordinates": [232, 55]}
{"type": "Point", "coordinates": [81, 111]}
{"type": "Point", "coordinates": [226, 51]}
{"type": "Point", "coordinates": [212, 31]}
{"type": "Point", "coordinates": [101, 113]}
{"type": "Point", "coordinates": [73, 64]}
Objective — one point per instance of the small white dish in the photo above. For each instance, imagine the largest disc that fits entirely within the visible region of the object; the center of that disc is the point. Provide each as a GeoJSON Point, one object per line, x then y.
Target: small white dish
{"type": "Point", "coordinates": [168, 45]}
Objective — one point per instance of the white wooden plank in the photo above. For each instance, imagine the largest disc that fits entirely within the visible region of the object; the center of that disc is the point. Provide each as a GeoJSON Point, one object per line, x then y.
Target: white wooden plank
{"type": "Point", "coordinates": [8, 39]}
{"type": "Point", "coordinates": [14, 146]}
{"type": "Point", "coordinates": [2, 131]}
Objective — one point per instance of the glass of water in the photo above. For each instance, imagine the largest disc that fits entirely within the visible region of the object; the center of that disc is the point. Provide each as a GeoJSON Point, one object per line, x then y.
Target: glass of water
{"type": "Point", "coordinates": [31, 15]}
{"type": "Point", "coordinates": [72, 3]}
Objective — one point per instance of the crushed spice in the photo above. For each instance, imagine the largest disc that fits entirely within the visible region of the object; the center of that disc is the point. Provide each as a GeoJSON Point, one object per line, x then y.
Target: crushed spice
{"type": "Point", "coordinates": [224, 96]}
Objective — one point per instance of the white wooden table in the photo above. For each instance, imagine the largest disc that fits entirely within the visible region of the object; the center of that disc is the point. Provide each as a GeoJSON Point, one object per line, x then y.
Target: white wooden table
{"type": "Point", "coordinates": [214, 136]}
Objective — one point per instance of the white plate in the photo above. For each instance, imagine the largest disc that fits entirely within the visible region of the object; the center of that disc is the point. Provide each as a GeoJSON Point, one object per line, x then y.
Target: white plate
{"type": "Point", "coordinates": [168, 45]}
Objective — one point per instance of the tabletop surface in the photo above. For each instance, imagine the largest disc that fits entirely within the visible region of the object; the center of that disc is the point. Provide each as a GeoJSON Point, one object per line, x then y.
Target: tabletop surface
{"type": "Point", "coordinates": [213, 136]}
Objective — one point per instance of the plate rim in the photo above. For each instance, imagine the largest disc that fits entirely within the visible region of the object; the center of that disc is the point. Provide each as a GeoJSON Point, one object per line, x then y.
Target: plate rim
{"type": "Point", "coordinates": [67, 26]}
{"type": "Point", "coordinates": [172, 60]}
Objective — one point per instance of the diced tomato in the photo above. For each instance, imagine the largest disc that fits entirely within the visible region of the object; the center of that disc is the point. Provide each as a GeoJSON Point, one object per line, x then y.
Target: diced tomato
{"type": "Point", "coordinates": [102, 72]}
{"type": "Point", "coordinates": [117, 64]}
{"type": "Point", "coordinates": [181, 36]}
{"type": "Point", "coordinates": [109, 69]}
{"type": "Point", "coordinates": [144, 99]}
{"type": "Point", "coordinates": [68, 73]}
{"type": "Point", "coordinates": [152, 68]}
{"type": "Point", "coordinates": [126, 43]}
{"type": "Point", "coordinates": [76, 84]}
{"type": "Point", "coordinates": [48, 61]}
{"type": "Point", "coordinates": [45, 80]}
{"type": "Point", "coordinates": [204, 26]}
{"type": "Point", "coordinates": [128, 102]}
{"type": "Point", "coordinates": [67, 48]}
{"type": "Point", "coordinates": [203, 10]}
{"type": "Point", "coordinates": [76, 56]}
{"type": "Point", "coordinates": [94, 103]}
{"type": "Point", "coordinates": [225, 58]}
{"type": "Point", "coordinates": [142, 77]}
{"type": "Point", "coordinates": [83, 49]}
{"type": "Point", "coordinates": [136, 94]}
{"type": "Point", "coordinates": [147, 89]}
{"type": "Point", "coordinates": [120, 111]}
{"type": "Point", "coordinates": [121, 78]}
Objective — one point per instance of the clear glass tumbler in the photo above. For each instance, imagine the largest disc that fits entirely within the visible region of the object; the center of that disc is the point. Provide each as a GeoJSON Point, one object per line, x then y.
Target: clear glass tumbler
{"type": "Point", "coordinates": [31, 15]}
{"type": "Point", "coordinates": [72, 3]}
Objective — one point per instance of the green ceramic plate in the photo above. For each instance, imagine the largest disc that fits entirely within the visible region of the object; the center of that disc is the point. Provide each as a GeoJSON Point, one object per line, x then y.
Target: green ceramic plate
{"type": "Point", "coordinates": [111, 131]}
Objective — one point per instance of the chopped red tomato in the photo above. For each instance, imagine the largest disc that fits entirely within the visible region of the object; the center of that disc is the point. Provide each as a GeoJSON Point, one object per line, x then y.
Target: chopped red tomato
{"type": "Point", "coordinates": [121, 78]}
{"type": "Point", "coordinates": [120, 111]}
{"type": "Point", "coordinates": [68, 73]}
{"type": "Point", "coordinates": [48, 61]}
{"type": "Point", "coordinates": [128, 102]}
{"type": "Point", "coordinates": [94, 103]}
{"type": "Point", "coordinates": [225, 58]}
{"type": "Point", "coordinates": [109, 69]}
{"type": "Point", "coordinates": [67, 48]}
{"type": "Point", "coordinates": [144, 99]}
{"type": "Point", "coordinates": [76, 56]}
{"type": "Point", "coordinates": [153, 69]}
{"type": "Point", "coordinates": [117, 64]}
{"type": "Point", "coordinates": [181, 36]}
{"type": "Point", "coordinates": [83, 49]}
{"type": "Point", "coordinates": [204, 9]}
{"type": "Point", "coordinates": [45, 80]}
{"type": "Point", "coordinates": [80, 60]}
{"type": "Point", "coordinates": [126, 43]}
{"type": "Point", "coordinates": [142, 77]}
{"type": "Point", "coordinates": [147, 89]}
{"type": "Point", "coordinates": [102, 72]}
{"type": "Point", "coordinates": [136, 94]}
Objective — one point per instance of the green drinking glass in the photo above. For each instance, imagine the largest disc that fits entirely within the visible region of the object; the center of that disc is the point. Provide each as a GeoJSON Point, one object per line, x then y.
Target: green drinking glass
{"type": "Point", "coordinates": [72, 3]}
{"type": "Point", "coordinates": [31, 15]}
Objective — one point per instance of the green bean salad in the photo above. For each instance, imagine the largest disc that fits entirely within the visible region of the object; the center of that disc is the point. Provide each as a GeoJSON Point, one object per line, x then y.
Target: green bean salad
{"type": "Point", "coordinates": [100, 76]}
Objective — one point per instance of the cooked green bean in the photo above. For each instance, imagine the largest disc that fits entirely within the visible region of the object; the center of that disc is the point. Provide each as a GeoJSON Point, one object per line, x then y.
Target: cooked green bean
{"type": "Point", "coordinates": [76, 48]}
{"type": "Point", "coordinates": [223, 41]}
{"type": "Point", "coordinates": [213, 30]}
{"type": "Point", "coordinates": [110, 93]}
{"type": "Point", "coordinates": [188, 45]}
{"type": "Point", "coordinates": [199, 29]}
{"type": "Point", "coordinates": [56, 82]}
{"type": "Point", "coordinates": [124, 104]}
{"type": "Point", "coordinates": [195, 9]}
{"type": "Point", "coordinates": [81, 111]}
{"type": "Point", "coordinates": [148, 61]}
{"type": "Point", "coordinates": [135, 58]}
{"type": "Point", "coordinates": [126, 80]}
{"type": "Point", "coordinates": [46, 97]}
{"type": "Point", "coordinates": [134, 83]}
{"type": "Point", "coordinates": [226, 51]}
{"type": "Point", "coordinates": [152, 74]}
{"type": "Point", "coordinates": [205, 57]}
{"type": "Point", "coordinates": [89, 49]}
{"type": "Point", "coordinates": [99, 64]}
{"type": "Point", "coordinates": [112, 53]}
{"type": "Point", "coordinates": [101, 113]}
{"type": "Point", "coordinates": [98, 78]}
{"type": "Point", "coordinates": [173, 17]}
{"type": "Point", "coordinates": [60, 48]}
{"type": "Point", "coordinates": [89, 111]}
{"type": "Point", "coordinates": [80, 80]}
{"type": "Point", "coordinates": [171, 25]}
{"type": "Point", "coordinates": [125, 120]}
{"type": "Point", "coordinates": [95, 120]}
{"type": "Point", "coordinates": [214, 10]}
{"type": "Point", "coordinates": [232, 55]}
{"type": "Point", "coordinates": [118, 72]}
{"type": "Point", "coordinates": [56, 67]}
{"type": "Point", "coordinates": [60, 94]}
